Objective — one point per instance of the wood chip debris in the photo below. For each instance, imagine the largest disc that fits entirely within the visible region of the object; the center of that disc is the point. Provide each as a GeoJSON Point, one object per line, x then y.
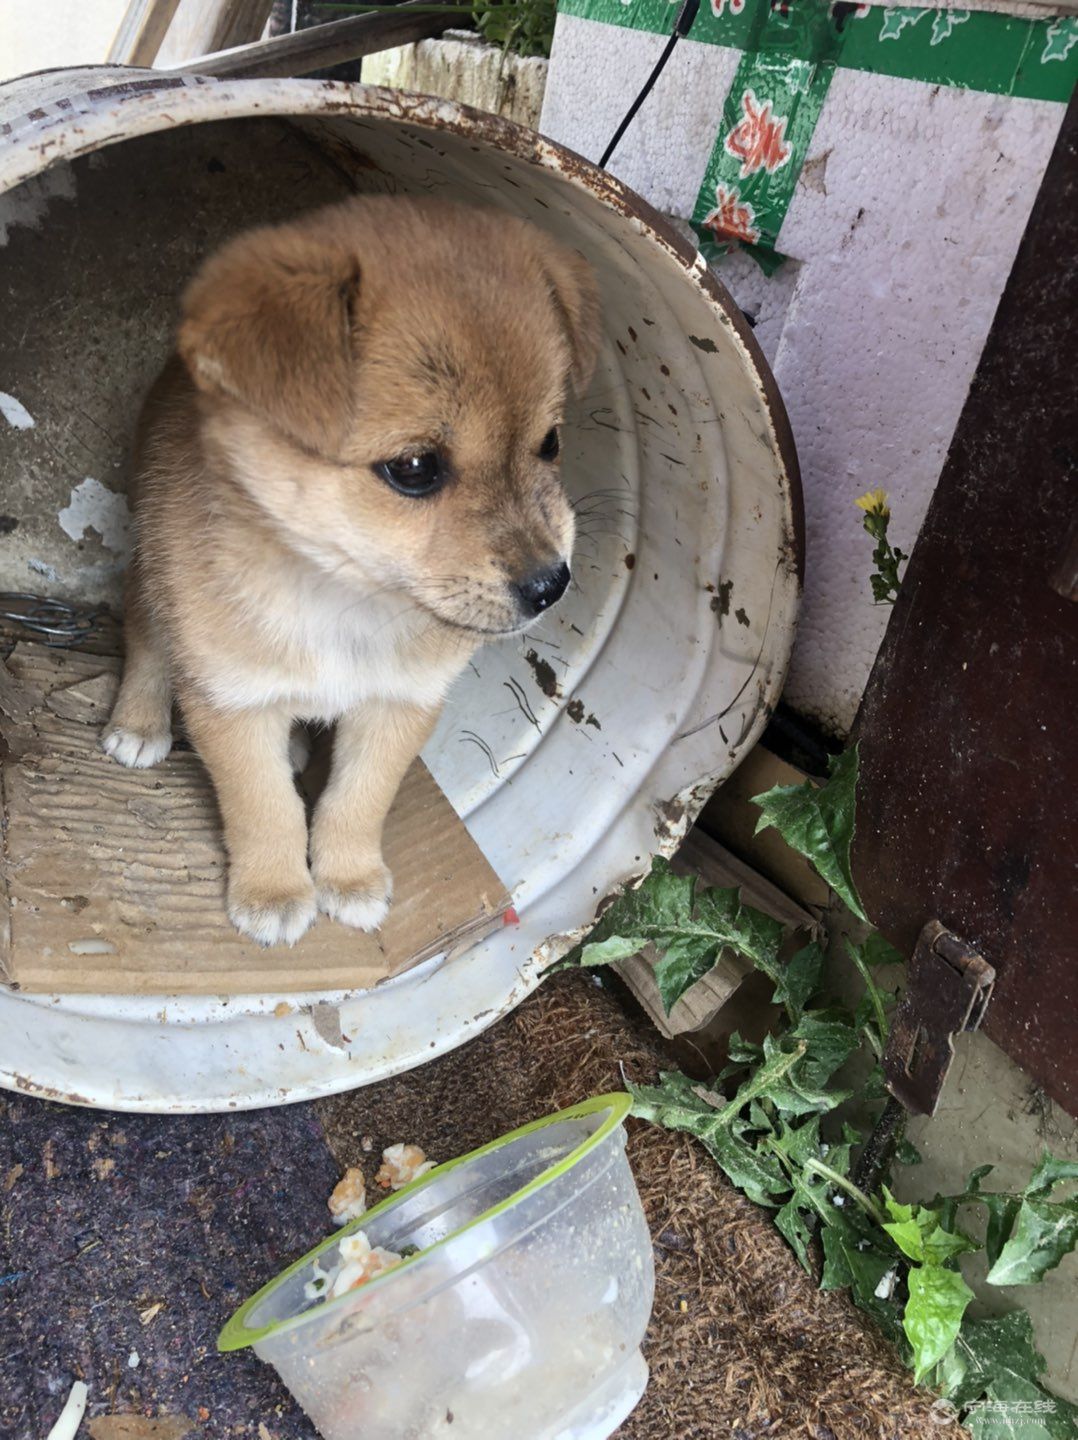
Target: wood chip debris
{"type": "Point", "coordinates": [70, 1417]}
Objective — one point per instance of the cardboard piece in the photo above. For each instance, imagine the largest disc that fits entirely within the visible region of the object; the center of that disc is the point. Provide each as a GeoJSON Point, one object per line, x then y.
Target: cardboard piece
{"type": "Point", "coordinates": [114, 879]}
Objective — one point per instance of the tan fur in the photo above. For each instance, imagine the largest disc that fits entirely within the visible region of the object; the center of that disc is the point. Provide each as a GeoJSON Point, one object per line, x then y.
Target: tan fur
{"type": "Point", "coordinates": [278, 577]}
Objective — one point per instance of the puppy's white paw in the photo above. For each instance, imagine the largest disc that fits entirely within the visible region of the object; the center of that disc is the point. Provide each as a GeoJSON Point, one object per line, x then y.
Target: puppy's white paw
{"type": "Point", "coordinates": [136, 750]}
{"type": "Point", "coordinates": [273, 922]}
{"type": "Point", "coordinates": [363, 905]}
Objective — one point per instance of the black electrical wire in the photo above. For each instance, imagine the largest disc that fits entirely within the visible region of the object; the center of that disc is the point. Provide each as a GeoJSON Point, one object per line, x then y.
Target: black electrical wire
{"type": "Point", "coordinates": [682, 25]}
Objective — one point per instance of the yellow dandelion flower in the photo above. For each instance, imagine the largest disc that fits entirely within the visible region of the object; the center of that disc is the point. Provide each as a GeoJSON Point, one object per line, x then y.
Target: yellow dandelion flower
{"type": "Point", "coordinates": [874, 502]}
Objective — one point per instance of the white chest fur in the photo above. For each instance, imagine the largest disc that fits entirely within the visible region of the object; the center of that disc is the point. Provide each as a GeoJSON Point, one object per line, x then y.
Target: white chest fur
{"type": "Point", "coordinates": [322, 649]}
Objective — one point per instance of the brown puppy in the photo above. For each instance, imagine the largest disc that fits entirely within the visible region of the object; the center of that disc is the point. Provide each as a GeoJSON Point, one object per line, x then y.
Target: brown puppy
{"type": "Point", "coordinates": [346, 479]}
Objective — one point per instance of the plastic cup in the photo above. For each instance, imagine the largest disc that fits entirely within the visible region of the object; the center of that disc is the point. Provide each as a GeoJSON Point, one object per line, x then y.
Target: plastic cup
{"type": "Point", "coordinates": [518, 1310]}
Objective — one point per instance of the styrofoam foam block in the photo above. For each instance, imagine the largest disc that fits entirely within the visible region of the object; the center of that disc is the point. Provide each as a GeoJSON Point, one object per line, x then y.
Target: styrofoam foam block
{"type": "Point", "coordinates": [595, 71]}
{"type": "Point", "coordinates": [902, 231]}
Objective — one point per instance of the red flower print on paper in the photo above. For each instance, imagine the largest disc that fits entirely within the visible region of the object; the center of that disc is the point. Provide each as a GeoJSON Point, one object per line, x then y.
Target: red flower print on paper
{"type": "Point", "coordinates": [732, 218]}
{"type": "Point", "coordinates": [758, 140]}
{"type": "Point", "coordinates": [736, 6]}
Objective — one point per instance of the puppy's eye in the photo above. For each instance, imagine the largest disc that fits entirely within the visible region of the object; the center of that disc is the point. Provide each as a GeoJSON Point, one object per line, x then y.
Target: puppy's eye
{"type": "Point", "coordinates": [413, 474]}
{"type": "Point", "coordinates": [551, 445]}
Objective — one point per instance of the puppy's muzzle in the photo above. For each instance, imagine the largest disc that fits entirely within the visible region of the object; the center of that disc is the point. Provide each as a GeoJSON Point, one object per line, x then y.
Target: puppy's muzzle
{"type": "Point", "coordinates": [537, 592]}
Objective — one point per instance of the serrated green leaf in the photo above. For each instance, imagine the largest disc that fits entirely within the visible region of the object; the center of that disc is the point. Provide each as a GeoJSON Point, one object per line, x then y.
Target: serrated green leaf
{"type": "Point", "coordinates": [838, 1157]}
{"type": "Point", "coordinates": [741, 1053]}
{"type": "Point", "coordinates": [986, 1349]}
{"type": "Point", "coordinates": [876, 951]}
{"type": "Point", "coordinates": [1043, 1233]}
{"type": "Point", "coordinates": [1018, 1409]}
{"type": "Point", "coordinates": [1002, 1209]}
{"type": "Point", "coordinates": [810, 1203]}
{"type": "Point", "coordinates": [837, 1273]}
{"type": "Point", "coordinates": [792, 1223]}
{"type": "Point", "coordinates": [950, 1373]}
{"type": "Point", "coordinates": [686, 926]}
{"type": "Point", "coordinates": [797, 982]}
{"type": "Point", "coordinates": [677, 1104]}
{"type": "Point", "coordinates": [1049, 1173]}
{"type": "Point", "coordinates": [830, 1039]}
{"type": "Point", "coordinates": [752, 1171]}
{"type": "Point", "coordinates": [818, 822]}
{"type": "Point", "coordinates": [684, 962]}
{"type": "Point", "coordinates": [937, 1301]}
{"type": "Point", "coordinates": [798, 1092]}
{"type": "Point", "coordinates": [608, 952]}
{"type": "Point", "coordinates": [897, 1211]}
{"type": "Point", "coordinates": [758, 1117]}
{"type": "Point", "coordinates": [917, 1232]}
{"type": "Point", "coordinates": [906, 1236]}
{"type": "Point", "coordinates": [772, 1073]}
{"type": "Point", "coordinates": [827, 1041]}
{"type": "Point", "coordinates": [867, 1272]}
{"type": "Point", "coordinates": [798, 1143]}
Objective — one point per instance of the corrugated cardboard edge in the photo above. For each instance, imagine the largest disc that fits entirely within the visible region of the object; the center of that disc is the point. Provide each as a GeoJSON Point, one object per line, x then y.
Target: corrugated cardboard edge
{"type": "Point", "coordinates": [285, 971]}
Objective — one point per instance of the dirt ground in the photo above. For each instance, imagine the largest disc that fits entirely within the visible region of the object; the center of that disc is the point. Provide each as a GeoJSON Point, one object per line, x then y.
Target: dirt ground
{"type": "Point", "coordinates": [741, 1343]}
{"type": "Point", "coordinates": [126, 1241]}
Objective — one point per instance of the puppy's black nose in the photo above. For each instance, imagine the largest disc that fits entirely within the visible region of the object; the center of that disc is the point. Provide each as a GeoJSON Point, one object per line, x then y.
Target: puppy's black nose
{"type": "Point", "coordinates": [539, 591]}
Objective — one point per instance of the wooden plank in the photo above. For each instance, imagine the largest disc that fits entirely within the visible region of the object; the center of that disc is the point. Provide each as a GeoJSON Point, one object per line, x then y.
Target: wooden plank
{"type": "Point", "coordinates": [117, 877]}
{"type": "Point", "coordinates": [968, 804]}
{"type": "Point", "coordinates": [326, 45]}
{"type": "Point", "coordinates": [142, 31]}
{"type": "Point", "coordinates": [202, 27]}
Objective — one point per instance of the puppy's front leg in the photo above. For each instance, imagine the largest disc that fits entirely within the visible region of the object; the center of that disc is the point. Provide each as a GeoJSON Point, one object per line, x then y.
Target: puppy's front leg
{"type": "Point", "coordinates": [373, 748]}
{"type": "Point", "coordinates": [270, 893]}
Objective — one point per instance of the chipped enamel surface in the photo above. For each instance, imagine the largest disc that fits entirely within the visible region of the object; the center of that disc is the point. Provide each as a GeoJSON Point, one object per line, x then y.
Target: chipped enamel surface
{"type": "Point", "coordinates": [575, 753]}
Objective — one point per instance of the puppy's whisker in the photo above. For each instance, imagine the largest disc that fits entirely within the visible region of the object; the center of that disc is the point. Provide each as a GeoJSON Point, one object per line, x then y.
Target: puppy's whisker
{"type": "Point", "coordinates": [617, 492]}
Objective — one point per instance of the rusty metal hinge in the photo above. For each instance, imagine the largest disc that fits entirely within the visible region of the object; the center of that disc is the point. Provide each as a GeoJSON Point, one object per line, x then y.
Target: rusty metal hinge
{"type": "Point", "coordinates": [948, 989]}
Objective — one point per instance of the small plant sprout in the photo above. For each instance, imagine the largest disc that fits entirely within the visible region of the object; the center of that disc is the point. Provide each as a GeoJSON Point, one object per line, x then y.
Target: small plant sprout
{"type": "Point", "coordinates": [886, 557]}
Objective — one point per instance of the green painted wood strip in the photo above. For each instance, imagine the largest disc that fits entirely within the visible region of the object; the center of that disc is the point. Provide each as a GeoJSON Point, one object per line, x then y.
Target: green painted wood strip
{"type": "Point", "coordinates": [768, 119]}
{"type": "Point", "coordinates": [967, 49]}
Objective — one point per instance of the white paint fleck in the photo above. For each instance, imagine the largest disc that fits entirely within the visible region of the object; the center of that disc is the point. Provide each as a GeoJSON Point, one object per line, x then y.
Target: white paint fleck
{"type": "Point", "coordinates": [885, 1289]}
{"type": "Point", "coordinates": [95, 506]}
{"type": "Point", "coordinates": [15, 412]}
{"type": "Point", "coordinates": [41, 567]}
{"type": "Point", "coordinates": [91, 946]}
{"type": "Point", "coordinates": [133, 1360]}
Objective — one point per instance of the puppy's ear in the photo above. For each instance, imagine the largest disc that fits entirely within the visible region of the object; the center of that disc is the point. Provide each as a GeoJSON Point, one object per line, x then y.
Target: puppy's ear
{"type": "Point", "coordinates": [268, 320]}
{"type": "Point", "coordinates": [576, 299]}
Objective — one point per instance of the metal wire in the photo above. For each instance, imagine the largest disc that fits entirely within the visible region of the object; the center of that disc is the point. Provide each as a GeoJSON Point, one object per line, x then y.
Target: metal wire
{"type": "Point", "coordinates": [682, 25]}
{"type": "Point", "coordinates": [59, 624]}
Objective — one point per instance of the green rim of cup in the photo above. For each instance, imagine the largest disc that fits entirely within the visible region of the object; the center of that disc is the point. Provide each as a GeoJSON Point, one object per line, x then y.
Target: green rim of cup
{"type": "Point", "coordinates": [236, 1335]}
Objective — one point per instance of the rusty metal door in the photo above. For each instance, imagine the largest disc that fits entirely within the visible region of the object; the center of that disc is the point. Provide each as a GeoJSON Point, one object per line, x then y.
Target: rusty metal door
{"type": "Point", "coordinates": [969, 726]}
